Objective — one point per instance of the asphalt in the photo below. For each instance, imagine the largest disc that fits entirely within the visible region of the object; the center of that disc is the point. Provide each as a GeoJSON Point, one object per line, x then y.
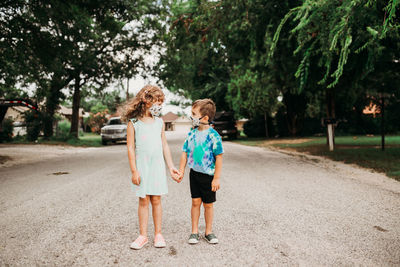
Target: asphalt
{"type": "Point", "coordinates": [275, 209]}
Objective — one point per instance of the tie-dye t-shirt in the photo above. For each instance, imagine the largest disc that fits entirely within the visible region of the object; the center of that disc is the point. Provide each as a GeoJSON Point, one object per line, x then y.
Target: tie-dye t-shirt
{"type": "Point", "coordinates": [201, 148]}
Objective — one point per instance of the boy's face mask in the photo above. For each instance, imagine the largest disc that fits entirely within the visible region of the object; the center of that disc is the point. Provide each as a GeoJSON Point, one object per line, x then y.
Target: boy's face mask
{"type": "Point", "coordinates": [196, 121]}
{"type": "Point", "coordinates": [155, 110]}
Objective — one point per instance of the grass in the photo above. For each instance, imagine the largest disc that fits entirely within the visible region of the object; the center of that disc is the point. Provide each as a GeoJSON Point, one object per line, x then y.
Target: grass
{"type": "Point", "coordinates": [364, 151]}
{"type": "Point", "coordinates": [85, 140]}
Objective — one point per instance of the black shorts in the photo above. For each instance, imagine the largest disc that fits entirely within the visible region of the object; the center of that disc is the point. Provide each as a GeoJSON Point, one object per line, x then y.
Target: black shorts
{"type": "Point", "coordinates": [200, 186]}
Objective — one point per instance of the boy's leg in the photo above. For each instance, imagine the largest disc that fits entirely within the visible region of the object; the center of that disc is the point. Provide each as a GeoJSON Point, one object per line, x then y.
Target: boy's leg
{"type": "Point", "coordinates": [208, 197]}
{"type": "Point", "coordinates": [196, 204]}
{"type": "Point", "coordinates": [208, 215]}
{"type": "Point", "coordinates": [157, 213]}
{"type": "Point", "coordinates": [143, 213]}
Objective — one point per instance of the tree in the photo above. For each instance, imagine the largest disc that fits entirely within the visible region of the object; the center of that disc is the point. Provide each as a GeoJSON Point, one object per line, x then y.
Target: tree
{"type": "Point", "coordinates": [220, 49]}
{"type": "Point", "coordinates": [348, 40]}
{"type": "Point", "coordinates": [52, 44]}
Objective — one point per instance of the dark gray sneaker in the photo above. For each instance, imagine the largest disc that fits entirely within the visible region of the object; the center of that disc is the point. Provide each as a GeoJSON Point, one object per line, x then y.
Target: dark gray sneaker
{"type": "Point", "coordinates": [194, 239]}
{"type": "Point", "coordinates": [211, 238]}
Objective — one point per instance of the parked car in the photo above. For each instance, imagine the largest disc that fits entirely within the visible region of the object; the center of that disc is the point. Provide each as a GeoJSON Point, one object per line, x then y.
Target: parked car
{"type": "Point", "coordinates": [113, 131]}
{"type": "Point", "coordinates": [225, 124]}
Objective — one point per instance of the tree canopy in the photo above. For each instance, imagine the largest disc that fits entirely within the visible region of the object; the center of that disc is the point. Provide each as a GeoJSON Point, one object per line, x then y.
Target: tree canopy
{"type": "Point", "coordinates": [52, 43]}
{"type": "Point", "coordinates": [248, 54]}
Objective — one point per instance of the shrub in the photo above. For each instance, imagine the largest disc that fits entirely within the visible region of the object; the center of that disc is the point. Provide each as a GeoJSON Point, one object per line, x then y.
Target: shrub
{"type": "Point", "coordinates": [33, 121]}
{"type": "Point", "coordinates": [96, 121]}
{"type": "Point", "coordinates": [63, 130]}
{"type": "Point", "coordinates": [6, 131]}
{"type": "Point", "coordinates": [255, 127]}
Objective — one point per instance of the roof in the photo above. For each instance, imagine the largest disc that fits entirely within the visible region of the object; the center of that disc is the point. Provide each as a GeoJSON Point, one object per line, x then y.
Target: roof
{"type": "Point", "coordinates": [68, 111]}
{"type": "Point", "coordinates": [170, 117]}
{"type": "Point", "coordinates": [182, 119]}
{"type": "Point", "coordinates": [20, 109]}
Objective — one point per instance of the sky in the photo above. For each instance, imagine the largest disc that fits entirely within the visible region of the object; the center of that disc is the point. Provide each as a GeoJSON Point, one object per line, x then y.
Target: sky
{"type": "Point", "coordinates": [137, 83]}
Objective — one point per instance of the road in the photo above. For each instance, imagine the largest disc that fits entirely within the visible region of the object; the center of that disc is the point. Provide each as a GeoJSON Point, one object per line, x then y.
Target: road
{"type": "Point", "coordinates": [272, 209]}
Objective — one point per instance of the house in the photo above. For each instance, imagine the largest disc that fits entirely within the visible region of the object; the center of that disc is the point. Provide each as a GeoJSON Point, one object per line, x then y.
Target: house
{"type": "Point", "coordinates": [16, 114]}
{"type": "Point", "coordinates": [67, 113]}
{"type": "Point", "coordinates": [183, 124]}
{"type": "Point", "coordinates": [169, 121]}
{"type": "Point", "coordinates": [177, 123]}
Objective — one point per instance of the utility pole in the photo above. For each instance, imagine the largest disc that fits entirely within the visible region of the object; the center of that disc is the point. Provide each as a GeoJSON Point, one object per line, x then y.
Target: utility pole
{"type": "Point", "coordinates": [330, 121]}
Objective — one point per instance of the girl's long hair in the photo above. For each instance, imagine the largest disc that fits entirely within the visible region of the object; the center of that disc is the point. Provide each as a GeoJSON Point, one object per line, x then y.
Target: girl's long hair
{"type": "Point", "coordinates": [136, 107]}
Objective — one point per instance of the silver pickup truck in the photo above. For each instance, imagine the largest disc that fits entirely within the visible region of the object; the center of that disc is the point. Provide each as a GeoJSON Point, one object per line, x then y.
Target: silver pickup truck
{"type": "Point", "coordinates": [113, 131]}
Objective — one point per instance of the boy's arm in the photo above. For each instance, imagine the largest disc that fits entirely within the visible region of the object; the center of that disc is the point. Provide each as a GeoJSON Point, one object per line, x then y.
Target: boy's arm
{"type": "Point", "coordinates": [217, 174]}
{"type": "Point", "coordinates": [182, 165]}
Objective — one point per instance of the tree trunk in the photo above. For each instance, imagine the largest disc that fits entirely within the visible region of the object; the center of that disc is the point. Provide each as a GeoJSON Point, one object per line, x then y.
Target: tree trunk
{"type": "Point", "coordinates": [383, 122]}
{"type": "Point", "coordinates": [75, 108]}
{"type": "Point", "coordinates": [52, 101]}
{"type": "Point", "coordinates": [266, 124]}
{"type": "Point", "coordinates": [295, 111]}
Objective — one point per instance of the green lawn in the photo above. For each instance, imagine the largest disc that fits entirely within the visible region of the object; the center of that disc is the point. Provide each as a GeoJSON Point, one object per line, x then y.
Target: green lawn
{"type": "Point", "coordinates": [364, 151]}
{"type": "Point", "coordinates": [86, 140]}
{"type": "Point", "coordinates": [354, 141]}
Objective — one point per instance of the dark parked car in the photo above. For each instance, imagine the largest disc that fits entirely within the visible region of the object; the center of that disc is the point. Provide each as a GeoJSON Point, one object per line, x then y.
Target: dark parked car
{"type": "Point", "coordinates": [225, 124]}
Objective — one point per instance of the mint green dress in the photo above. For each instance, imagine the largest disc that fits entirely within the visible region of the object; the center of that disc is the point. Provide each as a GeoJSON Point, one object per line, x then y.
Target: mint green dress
{"type": "Point", "coordinates": [149, 158]}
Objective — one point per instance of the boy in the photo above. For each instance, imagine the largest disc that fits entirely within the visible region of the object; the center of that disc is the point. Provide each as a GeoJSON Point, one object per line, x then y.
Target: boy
{"type": "Point", "coordinates": [202, 151]}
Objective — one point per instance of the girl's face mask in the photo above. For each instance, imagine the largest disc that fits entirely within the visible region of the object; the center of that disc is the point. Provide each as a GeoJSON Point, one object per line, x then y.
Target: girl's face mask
{"type": "Point", "coordinates": [155, 110]}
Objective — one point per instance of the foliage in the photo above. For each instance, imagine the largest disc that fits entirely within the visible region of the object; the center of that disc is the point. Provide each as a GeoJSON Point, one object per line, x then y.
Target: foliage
{"type": "Point", "coordinates": [63, 130]}
{"type": "Point", "coordinates": [6, 130]}
{"type": "Point", "coordinates": [334, 30]}
{"type": "Point", "coordinates": [34, 124]}
{"type": "Point", "coordinates": [50, 44]}
{"type": "Point", "coordinates": [311, 53]}
{"type": "Point", "coordinates": [97, 120]}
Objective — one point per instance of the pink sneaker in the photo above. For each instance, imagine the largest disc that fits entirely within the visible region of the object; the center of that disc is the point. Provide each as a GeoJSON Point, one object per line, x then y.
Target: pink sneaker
{"type": "Point", "coordinates": [139, 242]}
{"type": "Point", "coordinates": [159, 241]}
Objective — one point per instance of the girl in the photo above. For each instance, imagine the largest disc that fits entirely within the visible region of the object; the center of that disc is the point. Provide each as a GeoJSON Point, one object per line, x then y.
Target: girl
{"type": "Point", "coordinates": [147, 149]}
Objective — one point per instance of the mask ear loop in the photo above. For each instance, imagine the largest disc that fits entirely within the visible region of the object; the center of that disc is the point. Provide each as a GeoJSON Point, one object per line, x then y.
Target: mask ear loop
{"type": "Point", "coordinates": [208, 123]}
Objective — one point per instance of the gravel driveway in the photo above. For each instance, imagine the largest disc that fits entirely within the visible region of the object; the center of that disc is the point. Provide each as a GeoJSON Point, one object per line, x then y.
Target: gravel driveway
{"type": "Point", "coordinates": [77, 208]}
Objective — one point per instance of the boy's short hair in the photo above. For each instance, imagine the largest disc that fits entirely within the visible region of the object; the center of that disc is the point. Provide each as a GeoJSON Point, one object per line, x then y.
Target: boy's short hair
{"type": "Point", "coordinates": [206, 106]}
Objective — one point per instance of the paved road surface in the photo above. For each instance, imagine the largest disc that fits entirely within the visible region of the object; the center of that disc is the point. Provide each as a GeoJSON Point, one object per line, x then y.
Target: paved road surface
{"type": "Point", "coordinates": [272, 209]}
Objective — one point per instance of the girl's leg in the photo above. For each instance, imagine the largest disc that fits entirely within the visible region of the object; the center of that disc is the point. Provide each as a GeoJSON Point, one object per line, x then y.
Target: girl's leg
{"type": "Point", "coordinates": [157, 213]}
{"type": "Point", "coordinates": [196, 203]}
{"type": "Point", "coordinates": [208, 215]}
{"type": "Point", "coordinates": [143, 213]}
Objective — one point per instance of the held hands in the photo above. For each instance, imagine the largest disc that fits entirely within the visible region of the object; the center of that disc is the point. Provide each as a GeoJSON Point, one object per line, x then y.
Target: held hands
{"type": "Point", "coordinates": [181, 174]}
{"type": "Point", "coordinates": [136, 178]}
{"type": "Point", "coordinates": [175, 174]}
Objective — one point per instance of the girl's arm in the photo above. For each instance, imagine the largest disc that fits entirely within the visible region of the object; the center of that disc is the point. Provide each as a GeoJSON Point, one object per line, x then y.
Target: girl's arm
{"type": "Point", "coordinates": [167, 155]}
{"type": "Point", "coordinates": [130, 143]}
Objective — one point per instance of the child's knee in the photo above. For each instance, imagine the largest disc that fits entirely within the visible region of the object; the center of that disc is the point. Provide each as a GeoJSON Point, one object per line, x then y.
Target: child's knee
{"type": "Point", "coordinates": [144, 202]}
{"type": "Point", "coordinates": [208, 205]}
{"type": "Point", "coordinates": [196, 202]}
{"type": "Point", "coordinates": [155, 200]}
